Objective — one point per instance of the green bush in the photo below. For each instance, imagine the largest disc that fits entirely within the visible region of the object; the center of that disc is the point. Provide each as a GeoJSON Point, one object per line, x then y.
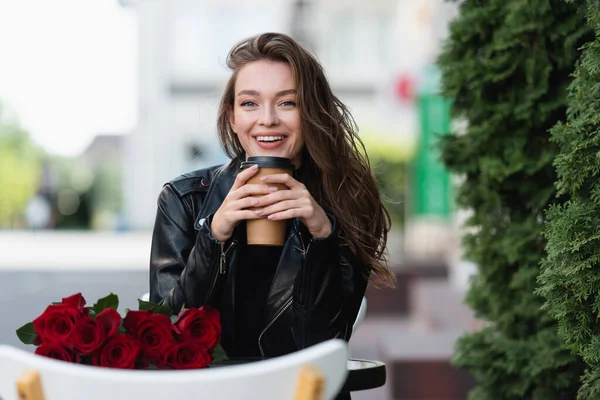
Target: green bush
{"type": "Point", "coordinates": [20, 171]}
{"type": "Point", "coordinates": [506, 66]}
{"type": "Point", "coordinates": [570, 278]}
{"type": "Point", "coordinates": [389, 162]}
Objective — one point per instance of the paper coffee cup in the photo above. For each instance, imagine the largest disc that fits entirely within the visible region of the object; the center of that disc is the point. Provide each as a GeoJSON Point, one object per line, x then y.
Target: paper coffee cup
{"type": "Point", "coordinates": [263, 231]}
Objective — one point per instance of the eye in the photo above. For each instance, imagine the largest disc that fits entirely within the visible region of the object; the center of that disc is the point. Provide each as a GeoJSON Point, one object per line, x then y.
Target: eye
{"type": "Point", "coordinates": [248, 103]}
{"type": "Point", "coordinates": [289, 103]}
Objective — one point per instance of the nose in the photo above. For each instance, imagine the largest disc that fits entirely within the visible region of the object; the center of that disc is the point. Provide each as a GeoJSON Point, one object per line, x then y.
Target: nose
{"type": "Point", "coordinates": [268, 116]}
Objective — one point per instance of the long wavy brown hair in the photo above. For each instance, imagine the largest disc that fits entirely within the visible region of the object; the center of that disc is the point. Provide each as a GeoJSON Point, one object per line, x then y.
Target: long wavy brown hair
{"type": "Point", "coordinates": [335, 163]}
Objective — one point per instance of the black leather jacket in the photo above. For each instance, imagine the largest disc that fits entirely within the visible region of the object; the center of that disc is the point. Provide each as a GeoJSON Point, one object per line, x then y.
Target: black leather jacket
{"type": "Point", "coordinates": [316, 291]}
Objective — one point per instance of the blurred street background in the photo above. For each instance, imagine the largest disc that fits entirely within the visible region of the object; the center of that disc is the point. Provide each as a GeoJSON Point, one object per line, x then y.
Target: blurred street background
{"type": "Point", "coordinates": [103, 102]}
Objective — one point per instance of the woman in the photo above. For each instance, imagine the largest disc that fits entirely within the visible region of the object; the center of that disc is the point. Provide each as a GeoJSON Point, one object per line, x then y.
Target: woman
{"type": "Point", "coordinates": [275, 300]}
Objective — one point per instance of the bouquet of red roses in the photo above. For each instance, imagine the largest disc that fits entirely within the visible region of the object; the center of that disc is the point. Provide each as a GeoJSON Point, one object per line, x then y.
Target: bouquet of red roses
{"type": "Point", "coordinates": [150, 338]}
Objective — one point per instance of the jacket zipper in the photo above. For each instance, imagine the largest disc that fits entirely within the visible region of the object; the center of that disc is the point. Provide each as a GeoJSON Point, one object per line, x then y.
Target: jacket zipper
{"type": "Point", "coordinates": [222, 266]}
{"type": "Point", "coordinates": [287, 305]}
{"type": "Point", "coordinates": [303, 250]}
{"type": "Point", "coordinates": [223, 257]}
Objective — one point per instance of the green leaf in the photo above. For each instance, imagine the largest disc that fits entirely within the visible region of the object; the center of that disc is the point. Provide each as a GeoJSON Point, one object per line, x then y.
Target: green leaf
{"type": "Point", "coordinates": [27, 333]}
{"type": "Point", "coordinates": [164, 310]}
{"type": "Point", "coordinates": [219, 354]}
{"type": "Point", "coordinates": [173, 318]}
{"type": "Point", "coordinates": [145, 305]}
{"type": "Point", "coordinates": [110, 301]}
{"type": "Point", "coordinates": [155, 308]}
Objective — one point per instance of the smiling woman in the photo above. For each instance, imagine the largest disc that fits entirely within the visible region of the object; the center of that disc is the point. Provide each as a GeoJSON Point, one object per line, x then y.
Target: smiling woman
{"type": "Point", "coordinates": [275, 299]}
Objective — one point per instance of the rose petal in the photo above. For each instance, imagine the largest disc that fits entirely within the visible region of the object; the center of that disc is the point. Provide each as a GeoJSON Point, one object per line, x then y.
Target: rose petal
{"type": "Point", "coordinates": [56, 351]}
{"type": "Point", "coordinates": [55, 323]}
{"type": "Point", "coordinates": [110, 319]}
{"type": "Point", "coordinates": [155, 334]}
{"type": "Point", "coordinates": [87, 336]}
{"type": "Point", "coordinates": [188, 355]}
{"type": "Point", "coordinates": [133, 318]}
{"type": "Point", "coordinates": [75, 301]}
{"type": "Point", "coordinates": [121, 351]}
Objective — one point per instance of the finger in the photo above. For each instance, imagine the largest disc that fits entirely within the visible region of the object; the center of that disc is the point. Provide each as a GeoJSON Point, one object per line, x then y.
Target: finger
{"type": "Point", "coordinates": [287, 214]}
{"type": "Point", "coordinates": [241, 215]}
{"type": "Point", "coordinates": [278, 207]}
{"type": "Point", "coordinates": [253, 190]}
{"type": "Point", "coordinates": [281, 197]}
{"type": "Point", "coordinates": [243, 176]}
{"type": "Point", "coordinates": [283, 178]}
{"type": "Point", "coordinates": [278, 196]}
{"type": "Point", "coordinates": [245, 215]}
{"type": "Point", "coordinates": [245, 203]}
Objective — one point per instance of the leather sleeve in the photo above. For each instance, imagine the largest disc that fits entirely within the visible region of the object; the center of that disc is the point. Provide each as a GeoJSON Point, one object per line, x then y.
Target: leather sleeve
{"type": "Point", "coordinates": [327, 292]}
{"type": "Point", "coordinates": [183, 261]}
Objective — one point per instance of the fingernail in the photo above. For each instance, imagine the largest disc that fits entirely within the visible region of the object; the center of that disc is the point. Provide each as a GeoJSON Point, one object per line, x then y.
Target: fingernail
{"type": "Point", "coordinates": [254, 167]}
{"type": "Point", "coordinates": [273, 189]}
{"type": "Point", "coordinates": [271, 216]}
{"type": "Point", "coordinates": [255, 202]}
{"type": "Point", "coordinates": [264, 178]}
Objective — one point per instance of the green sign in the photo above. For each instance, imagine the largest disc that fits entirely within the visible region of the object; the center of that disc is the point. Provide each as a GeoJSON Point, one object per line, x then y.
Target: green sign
{"type": "Point", "coordinates": [431, 191]}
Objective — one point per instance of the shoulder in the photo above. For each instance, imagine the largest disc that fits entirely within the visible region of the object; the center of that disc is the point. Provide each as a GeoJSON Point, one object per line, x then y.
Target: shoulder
{"type": "Point", "coordinates": [194, 181]}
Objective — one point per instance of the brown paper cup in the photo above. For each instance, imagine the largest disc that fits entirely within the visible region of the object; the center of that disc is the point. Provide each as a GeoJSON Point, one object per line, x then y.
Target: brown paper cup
{"type": "Point", "coordinates": [264, 232]}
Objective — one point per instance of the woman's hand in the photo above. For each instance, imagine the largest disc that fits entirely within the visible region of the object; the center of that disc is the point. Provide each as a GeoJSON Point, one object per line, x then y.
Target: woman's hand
{"type": "Point", "coordinates": [296, 202]}
{"type": "Point", "coordinates": [235, 207]}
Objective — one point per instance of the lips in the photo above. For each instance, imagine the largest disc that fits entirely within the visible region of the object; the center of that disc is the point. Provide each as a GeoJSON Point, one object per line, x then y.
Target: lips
{"type": "Point", "coordinates": [269, 142]}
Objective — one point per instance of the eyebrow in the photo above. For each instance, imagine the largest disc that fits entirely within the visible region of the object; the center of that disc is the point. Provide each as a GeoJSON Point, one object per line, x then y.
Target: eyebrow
{"type": "Point", "coordinates": [278, 94]}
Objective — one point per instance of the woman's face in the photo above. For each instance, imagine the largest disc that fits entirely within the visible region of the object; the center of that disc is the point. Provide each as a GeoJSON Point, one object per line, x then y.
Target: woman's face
{"type": "Point", "coordinates": [265, 115]}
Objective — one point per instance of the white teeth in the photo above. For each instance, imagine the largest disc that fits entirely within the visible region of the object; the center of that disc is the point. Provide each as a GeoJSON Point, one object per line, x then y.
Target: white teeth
{"type": "Point", "coordinates": [269, 138]}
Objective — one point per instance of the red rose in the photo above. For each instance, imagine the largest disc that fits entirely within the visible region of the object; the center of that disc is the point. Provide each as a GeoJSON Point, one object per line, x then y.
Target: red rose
{"type": "Point", "coordinates": [56, 323]}
{"type": "Point", "coordinates": [77, 302]}
{"type": "Point", "coordinates": [87, 335]}
{"type": "Point", "coordinates": [187, 355]}
{"type": "Point", "coordinates": [56, 351]}
{"type": "Point", "coordinates": [213, 314]}
{"type": "Point", "coordinates": [199, 324]}
{"type": "Point", "coordinates": [133, 318]}
{"type": "Point", "coordinates": [110, 320]}
{"type": "Point", "coordinates": [120, 351]}
{"type": "Point", "coordinates": [154, 331]}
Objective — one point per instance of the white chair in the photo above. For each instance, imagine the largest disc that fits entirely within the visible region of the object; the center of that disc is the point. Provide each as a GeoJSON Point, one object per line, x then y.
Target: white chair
{"type": "Point", "coordinates": [359, 318]}
{"type": "Point", "coordinates": [274, 379]}
{"type": "Point", "coordinates": [362, 311]}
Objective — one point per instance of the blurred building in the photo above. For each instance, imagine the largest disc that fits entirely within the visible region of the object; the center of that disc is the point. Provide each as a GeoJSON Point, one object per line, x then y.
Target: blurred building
{"type": "Point", "coordinates": [104, 148]}
{"type": "Point", "coordinates": [182, 49]}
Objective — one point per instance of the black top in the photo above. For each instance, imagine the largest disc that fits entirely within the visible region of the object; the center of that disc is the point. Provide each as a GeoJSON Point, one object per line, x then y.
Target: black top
{"type": "Point", "coordinates": [254, 276]}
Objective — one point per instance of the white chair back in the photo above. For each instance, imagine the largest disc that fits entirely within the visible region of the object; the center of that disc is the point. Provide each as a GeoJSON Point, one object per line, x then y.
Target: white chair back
{"type": "Point", "coordinates": [274, 379]}
{"type": "Point", "coordinates": [362, 312]}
